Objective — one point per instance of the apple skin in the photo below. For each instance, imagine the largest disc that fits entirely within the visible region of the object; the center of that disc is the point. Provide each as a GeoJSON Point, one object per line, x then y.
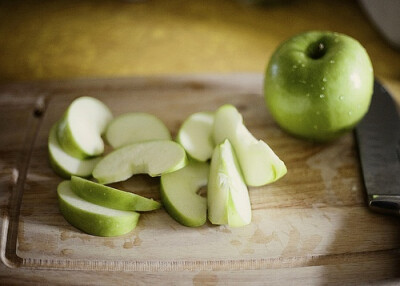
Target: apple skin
{"type": "Point", "coordinates": [319, 84]}
{"type": "Point", "coordinates": [91, 218]}
{"type": "Point", "coordinates": [97, 115]}
{"type": "Point", "coordinates": [179, 194]}
{"type": "Point", "coordinates": [64, 164]}
{"type": "Point", "coordinates": [110, 197]}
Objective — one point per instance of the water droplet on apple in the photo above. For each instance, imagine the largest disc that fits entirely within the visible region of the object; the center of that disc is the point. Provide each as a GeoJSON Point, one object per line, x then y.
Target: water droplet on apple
{"type": "Point", "coordinates": [332, 61]}
{"type": "Point", "coordinates": [322, 88]}
{"type": "Point", "coordinates": [295, 66]}
{"type": "Point", "coordinates": [322, 95]}
{"type": "Point", "coordinates": [324, 79]}
{"type": "Point", "coordinates": [350, 113]}
{"type": "Point", "coordinates": [341, 97]}
{"type": "Point", "coordinates": [307, 94]}
{"type": "Point", "coordinates": [303, 65]}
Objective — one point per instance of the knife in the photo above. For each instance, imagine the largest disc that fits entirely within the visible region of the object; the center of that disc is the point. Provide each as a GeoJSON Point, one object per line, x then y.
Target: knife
{"type": "Point", "coordinates": [377, 137]}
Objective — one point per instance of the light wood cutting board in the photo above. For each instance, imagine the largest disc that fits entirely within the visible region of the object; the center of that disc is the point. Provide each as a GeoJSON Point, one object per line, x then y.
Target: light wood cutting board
{"type": "Point", "coordinates": [315, 215]}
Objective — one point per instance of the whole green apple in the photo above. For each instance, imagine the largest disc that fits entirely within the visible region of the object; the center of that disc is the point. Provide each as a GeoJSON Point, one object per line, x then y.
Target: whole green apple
{"type": "Point", "coordinates": [319, 84]}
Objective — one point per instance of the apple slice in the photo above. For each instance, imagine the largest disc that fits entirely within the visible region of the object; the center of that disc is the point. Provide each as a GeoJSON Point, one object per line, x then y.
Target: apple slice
{"type": "Point", "coordinates": [259, 164]}
{"type": "Point", "coordinates": [64, 164]}
{"type": "Point", "coordinates": [151, 157]}
{"type": "Point", "coordinates": [195, 135]}
{"type": "Point", "coordinates": [112, 198]}
{"type": "Point", "coordinates": [135, 127]}
{"type": "Point", "coordinates": [227, 196]}
{"type": "Point", "coordinates": [91, 218]}
{"type": "Point", "coordinates": [179, 194]}
{"type": "Point", "coordinates": [79, 132]}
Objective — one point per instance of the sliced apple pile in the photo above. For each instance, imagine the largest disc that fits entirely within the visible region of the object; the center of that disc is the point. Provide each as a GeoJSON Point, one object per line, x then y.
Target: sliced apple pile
{"type": "Point", "coordinates": [238, 160]}
{"type": "Point", "coordinates": [142, 145]}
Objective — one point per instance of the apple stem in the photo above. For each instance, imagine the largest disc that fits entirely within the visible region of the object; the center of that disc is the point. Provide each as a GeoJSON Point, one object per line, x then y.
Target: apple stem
{"type": "Point", "coordinates": [321, 47]}
{"type": "Point", "coordinates": [316, 50]}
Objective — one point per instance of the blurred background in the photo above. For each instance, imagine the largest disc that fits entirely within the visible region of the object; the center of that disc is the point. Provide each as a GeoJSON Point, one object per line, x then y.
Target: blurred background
{"type": "Point", "coordinates": [53, 40]}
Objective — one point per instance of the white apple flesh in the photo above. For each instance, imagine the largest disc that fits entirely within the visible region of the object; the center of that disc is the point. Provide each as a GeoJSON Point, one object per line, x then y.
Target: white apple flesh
{"type": "Point", "coordinates": [135, 127]}
{"type": "Point", "coordinates": [258, 162]}
{"type": "Point", "coordinates": [151, 157]}
{"type": "Point", "coordinates": [227, 195]}
{"type": "Point", "coordinates": [195, 135]}
{"type": "Point", "coordinates": [110, 197]}
{"type": "Point", "coordinates": [79, 132]}
{"type": "Point", "coordinates": [179, 194]}
{"type": "Point", "coordinates": [64, 164]}
{"type": "Point", "coordinates": [91, 218]}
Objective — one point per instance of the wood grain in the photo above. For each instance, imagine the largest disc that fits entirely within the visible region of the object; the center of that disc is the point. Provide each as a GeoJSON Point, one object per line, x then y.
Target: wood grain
{"type": "Point", "coordinates": [312, 226]}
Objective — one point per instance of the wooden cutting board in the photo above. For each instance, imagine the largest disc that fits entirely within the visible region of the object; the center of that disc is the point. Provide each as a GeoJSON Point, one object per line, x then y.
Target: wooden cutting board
{"type": "Point", "coordinates": [315, 216]}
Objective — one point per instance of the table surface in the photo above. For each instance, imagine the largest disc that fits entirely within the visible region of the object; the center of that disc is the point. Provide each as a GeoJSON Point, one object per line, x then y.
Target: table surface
{"type": "Point", "coordinates": [59, 40]}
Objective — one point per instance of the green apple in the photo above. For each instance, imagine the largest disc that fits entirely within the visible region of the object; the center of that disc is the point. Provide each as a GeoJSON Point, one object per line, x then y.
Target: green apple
{"type": "Point", "coordinates": [227, 195]}
{"type": "Point", "coordinates": [112, 198]}
{"type": "Point", "coordinates": [179, 194]}
{"type": "Point", "coordinates": [135, 127]}
{"type": "Point", "coordinates": [79, 131]}
{"type": "Point", "coordinates": [91, 218]}
{"type": "Point", "coordinates": [64, 164]}
{"type": "Point", "coordinates": [319, 84]}
{"type": "Point", "coordinates": [195, 135]}
{"type": "Point", "coordinates": [151, 157]}
{"type": "Point", "coordinates": [259, 164]}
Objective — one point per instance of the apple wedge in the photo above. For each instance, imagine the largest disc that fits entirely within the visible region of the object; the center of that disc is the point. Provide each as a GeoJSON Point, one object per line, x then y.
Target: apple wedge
{"type": "Point", "coordinates": [195, 135]}
{"type": "Point", "coordinates": [259, 164]}
{"type": "Point", "coordinates": [64, 164]}
{"type": "Point", "coordinates": [179, 194]}
{"type": "Point", "coordinates": [227, 195]}
{"type": "Point", "coordinates": [135, 127]}
{"type": "Point", "coordinates": [151, 157]}
{"type": "Point", "coordinates": [110, 197]}
{"type": "Point", "coordinates": [91, 218]}
{"type": "Point", "coordinates": [79, 132]}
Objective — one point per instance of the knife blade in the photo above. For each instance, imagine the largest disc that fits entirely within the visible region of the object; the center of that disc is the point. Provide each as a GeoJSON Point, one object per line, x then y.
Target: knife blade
{"type": "Point", "coordinates": [377, 137]}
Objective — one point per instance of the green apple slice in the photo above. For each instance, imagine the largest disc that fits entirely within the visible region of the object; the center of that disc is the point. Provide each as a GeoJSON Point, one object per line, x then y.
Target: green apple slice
{"type": "Point", "coordinates": [195, 135]}
{"type": "Point", "coordinates": [64, 164]}
{"type": "Point", "coordinates": [91, 218]}
{"type": "Point", "coordinates": [259, 164]}
{"type": "Point", "coordinates": [135, 127]}
{"type": "Point", "coordinates": [80, 130]}
{"type": "Point", "coordinates": [227, 196]}
{"type": "Point", "coordinates": [151, 157]}
{"type": "Point", "coordinates": [112, 198]}
{"type": "Point", "coordinates": [179, 194]}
